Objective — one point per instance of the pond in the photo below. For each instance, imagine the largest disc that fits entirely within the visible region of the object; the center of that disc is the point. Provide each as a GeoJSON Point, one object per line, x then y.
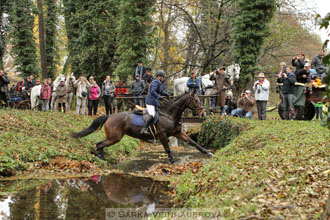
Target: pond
{"type": "Point", "coordinates": [80, 198]}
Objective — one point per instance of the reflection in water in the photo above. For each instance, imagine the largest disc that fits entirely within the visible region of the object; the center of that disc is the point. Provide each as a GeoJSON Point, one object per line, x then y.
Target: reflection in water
{"type": "Point", "coordinates": [83, 198]}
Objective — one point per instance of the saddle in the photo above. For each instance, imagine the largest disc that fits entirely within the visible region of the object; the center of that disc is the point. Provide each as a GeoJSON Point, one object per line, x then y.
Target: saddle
{"type": "Point", "coordinates": [140, 110]}
{"type": "Point", "coordinates": [140, 114]}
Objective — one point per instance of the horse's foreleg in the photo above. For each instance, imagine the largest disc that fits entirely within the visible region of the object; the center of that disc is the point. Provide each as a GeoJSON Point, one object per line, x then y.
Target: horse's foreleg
{"type": "Point", "coordinates": [163, 140]}
{"type": "Point", "coordinates": [190, 141]}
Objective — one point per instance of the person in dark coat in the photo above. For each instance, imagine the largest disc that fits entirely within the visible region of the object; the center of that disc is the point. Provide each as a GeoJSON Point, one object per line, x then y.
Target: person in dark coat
{"type": "Point", "coordinates": [147, 77]}
{"type": "Point", "coordinates": [4, 81]}
{"type": "Point", "coordinates": [288, 81]}
{"type": "Point", "coordinates": [138, 88]}
{"type": "Point", "coordinates": [318, 65]}
{"type": "Point", "coordinates": [302, 75]}
{"type": "Point", "coordinates": [152, 99]}
{"type": "Point", "coordinates": [28, 84]}
{"type": "Point", "coordinates": [194, 83]}
{"type": "Point", "coordinates": [139, 70]}
{"type": "Point", "coordinates": [299, 62]}
{"type": "Point", "coordinates": [221, 83]}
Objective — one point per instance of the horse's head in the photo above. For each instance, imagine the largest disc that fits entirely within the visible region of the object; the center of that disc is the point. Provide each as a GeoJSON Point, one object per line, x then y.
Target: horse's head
{"type": "Point", "coordinates": [193, 103]}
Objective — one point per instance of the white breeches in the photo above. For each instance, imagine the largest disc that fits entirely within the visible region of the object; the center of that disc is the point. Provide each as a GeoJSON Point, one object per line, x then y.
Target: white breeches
{"type": "Point", "coordinates": [151, 110]}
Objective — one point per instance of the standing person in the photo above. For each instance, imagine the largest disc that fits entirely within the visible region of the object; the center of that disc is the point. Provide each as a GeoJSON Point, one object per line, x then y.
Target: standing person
{"type": "Point", "coordinates": [221, 83]}
{"type": "Point", "coordinates": [82, 91]}
{"type": "Point", "coordinates": [138, 88]}
{"type": "Point", "coordinates": [318, 65]}
{"type": "Point", "coordinates": [49, 81]}
{"type": "Point", "coordinates": [108, 94]}
{"type": "Point", "coordinates": [19, 86]}
{"type": "Point", "coordinates": [28, 85]}
{"type": "Point", "coordinates": [261, 95]}
{"type": "Point", "coordinates": [318, 108]}
{"type": "Point", "coordinates": [288, 81]}
{"type": "Point", "coordinates": [70, 90]}
{"type": "Point", "coordinates": [299, 62]}
{"type": "Point", "coordinates": [45, 95]}
{"type": "Point", "coordinates": [152, 99]}
{"type": "Point", "coordinates": [139, 70]}
{"type": "Point", "coordinates": [61, 96]}
{"type": "Point", "coordinates": [4, 81]}
{"type": "Point", "coordinates": [147, 77]}
{"type": "Point", "coordinates": [246, 105]}
{"type": "Point", "coordinates": [121, 91]}
{"type": "Point", "coordinates": [194, 83]}
{"type": "Point", "coordinates": [33, 80]}
{"type": "Point", "coordinates": [93, 98]}
{"type": "Point", "coordinates": [282, 67]}
{"type": "Point", "coordinates": [302, 75]}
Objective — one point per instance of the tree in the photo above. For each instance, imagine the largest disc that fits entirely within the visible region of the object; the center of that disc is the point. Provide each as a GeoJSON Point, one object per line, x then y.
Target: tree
{"type": "Point", "coordinates": [50, 26]}
{"type": "Point", "coordinates": [21, 18]}
{"type": "Point", "coordinates": [42, 46]}
{"type": "Point", "coordinates": [4, 27]}
{"type": "Point", "coordinates": [250, 28]}
{"type": "Point", "coordinates": [134, 35]}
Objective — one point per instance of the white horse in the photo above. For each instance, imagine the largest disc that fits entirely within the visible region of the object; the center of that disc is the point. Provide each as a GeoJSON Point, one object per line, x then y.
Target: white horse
{"type": "Point", "coordinates": [36, 92]}
{"type": "Point", "coordinates": [70, 79]}
{"type": "Point", "coordinates": [180, 84]}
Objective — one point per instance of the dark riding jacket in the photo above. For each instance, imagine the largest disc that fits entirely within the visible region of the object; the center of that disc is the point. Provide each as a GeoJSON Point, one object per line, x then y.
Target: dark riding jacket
{"type": "Point", "coordinates": [156, 90]}
{"type": "Point", "coordinates": [4, 81]}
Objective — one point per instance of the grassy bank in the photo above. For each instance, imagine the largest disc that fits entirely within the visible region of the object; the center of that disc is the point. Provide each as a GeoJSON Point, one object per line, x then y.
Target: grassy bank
{"type": "Point", "coordinates": [30, 140]}
{"type": "Point", "coordinates": [273, 168]}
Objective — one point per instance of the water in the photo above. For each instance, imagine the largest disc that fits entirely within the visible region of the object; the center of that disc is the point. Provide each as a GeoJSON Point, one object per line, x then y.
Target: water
{"type": "Point", "coordinates": [79, 198]}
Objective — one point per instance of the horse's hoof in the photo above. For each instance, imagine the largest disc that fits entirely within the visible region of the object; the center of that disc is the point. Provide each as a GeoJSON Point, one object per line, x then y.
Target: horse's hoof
{"type": "Point", "coordinates": [209, 154]}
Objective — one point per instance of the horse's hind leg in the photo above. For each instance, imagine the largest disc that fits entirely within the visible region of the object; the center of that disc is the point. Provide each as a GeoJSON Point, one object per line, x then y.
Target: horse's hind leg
{"type": "Point", "coordinates": [163, 140]}
{"type": "Point", "coordinates": [187, 139]}
{"type": "Point", "coordinates": [102, 144]}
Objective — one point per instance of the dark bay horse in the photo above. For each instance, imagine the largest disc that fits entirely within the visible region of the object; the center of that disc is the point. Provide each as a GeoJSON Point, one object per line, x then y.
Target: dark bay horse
{"type": "Point", "coordinates": [169, 124]}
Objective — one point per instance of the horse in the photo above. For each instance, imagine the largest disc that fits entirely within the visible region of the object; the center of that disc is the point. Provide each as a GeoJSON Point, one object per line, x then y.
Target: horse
{"type": "Point", "coordinates": [180, 84]}
{"type": "Point", "coordinates": [70, 94]}
{"type": "Point", "coordinates": [169, 124]}
{"type": "Point", "coordinates": [36, 92]}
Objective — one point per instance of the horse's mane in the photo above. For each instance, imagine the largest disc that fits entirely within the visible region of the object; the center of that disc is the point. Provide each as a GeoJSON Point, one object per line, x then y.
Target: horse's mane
{"type": "Point", "coordinates": [164, 107]}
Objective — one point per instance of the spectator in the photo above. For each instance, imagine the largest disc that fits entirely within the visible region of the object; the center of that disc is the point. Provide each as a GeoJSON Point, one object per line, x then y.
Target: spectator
{"type": "Point", "coordinates": [147, 77]}
{"type": "Point", "coordinates": [121, 90]}
{"type": "Point", "coordinates": [221, 83]}
{"type": "Point", "coordinates": [261, 95]}
{"type": "Point", "coordinates": [299, 62]}
{"type": "Point", "coordinates": [45, 95]}
{"type": "Point", "coordinates": [37, 82]}
{"type": "Point", "coordinates": [33, 80]}
{"type": "Point", "coordinates": [4, 81]}
{"type": "Point", "coordinates": [231, 103]}
{"type": "Point", "coordinates": [28, 84]}
{"type": "Point", "coordinates": [194, 83]}
{"type": "Point", "coordinates": [318, 108]}
{"type": "Point", "coordinates": [108, 94]}
{"type": "Point", "coordinates": [318, 65]}
{"type": "Point", "coordinates": [94, 95]}
{"type": "Point", "coordinates": [49, 81]}
{"type": "Point", "coordinates": [82, 91]}
{"type": "Point", "coordinates": [61, 96]}
{"type": "Point", "coordinates": [138, 88]}
{"type": "Point", "coordinates": [288, 81]}
{"type": "Point", "coordinates": [246, 105]}
{"type": "Point", "coordinates": [19, 86]}
{"type": "Point", "coordinates": [70, 91]}
{"type": "Point", "coordinates": [302, 75]}
{"type": "Point", "coordinates": [139, 70]}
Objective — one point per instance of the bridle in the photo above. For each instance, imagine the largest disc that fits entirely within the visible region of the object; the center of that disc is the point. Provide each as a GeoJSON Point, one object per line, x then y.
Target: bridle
{"type": "Point", "coordinates": [189, 102]}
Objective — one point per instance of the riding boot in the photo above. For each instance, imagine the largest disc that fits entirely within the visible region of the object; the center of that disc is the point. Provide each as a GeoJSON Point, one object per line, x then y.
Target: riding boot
{"type": "Point", "coordinates": [148, 121]}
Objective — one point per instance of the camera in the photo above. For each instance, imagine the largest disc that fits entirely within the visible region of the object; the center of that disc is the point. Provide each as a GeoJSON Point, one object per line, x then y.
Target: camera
{"type": "Point", "coordinates": [217, 72]}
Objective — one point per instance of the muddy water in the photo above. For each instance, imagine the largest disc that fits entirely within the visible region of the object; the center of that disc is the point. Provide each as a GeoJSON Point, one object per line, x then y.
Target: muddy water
{"type": "Point", "coordinates": [79, 198]}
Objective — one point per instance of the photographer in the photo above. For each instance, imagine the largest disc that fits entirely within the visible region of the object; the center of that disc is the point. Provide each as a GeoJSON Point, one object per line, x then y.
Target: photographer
{"type": "Point", "coordinates": [4, 81]}
{"type": "Point", "coordinates": [299, 62]}
{"type": "Point", "coordinates": [261, 88]}
{"type": "Point", "coordinates": [82, 91]}
{"type": "Point", "coordinates": [288, 81]}
{"type": "Point", "coordinates": [246, 105]}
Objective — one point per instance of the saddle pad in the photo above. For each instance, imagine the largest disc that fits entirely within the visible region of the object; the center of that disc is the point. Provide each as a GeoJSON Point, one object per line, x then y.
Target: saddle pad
{"type": "Point", "coordinates": [138, 120]}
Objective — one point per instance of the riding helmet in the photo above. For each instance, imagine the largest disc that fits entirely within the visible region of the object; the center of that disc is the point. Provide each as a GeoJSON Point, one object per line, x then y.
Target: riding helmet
{"type": "Point", "coordinates": [161, 73]}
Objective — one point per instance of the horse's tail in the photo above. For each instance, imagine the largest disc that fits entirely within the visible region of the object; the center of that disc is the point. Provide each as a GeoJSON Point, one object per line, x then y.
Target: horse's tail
{"type": "Point", "coordinates": [96, 124]}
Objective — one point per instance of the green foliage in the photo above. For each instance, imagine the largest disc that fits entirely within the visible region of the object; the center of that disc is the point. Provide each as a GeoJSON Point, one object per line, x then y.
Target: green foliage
{"type": "Point", "coordinates": [217, 132]}
{"type": "Point", "coordinates": [27, 137]}
{"type": "Point", "coordinates": [91, 36]}
{"type": "Point", "coordinates": [4, 27]}
{"type": "Point", "coordinates": [249, 31]}
{"type": "Point", "coordinates": [21, 17]}
{"type": "Point", "coordinates": [134, 35]}
{"type": "Point", "coordinates": [267, 165]}
{"type": "Point", "coordinates": [50, 29]}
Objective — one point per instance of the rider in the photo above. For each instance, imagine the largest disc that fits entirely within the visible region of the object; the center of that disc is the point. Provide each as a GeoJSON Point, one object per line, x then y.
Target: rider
{"type": "Point", "coordinates": [152, 99]}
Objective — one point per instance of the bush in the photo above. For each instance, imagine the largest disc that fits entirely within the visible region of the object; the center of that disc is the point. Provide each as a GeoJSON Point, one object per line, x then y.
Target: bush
{"type": "Point", "coordinates": [217, 132]}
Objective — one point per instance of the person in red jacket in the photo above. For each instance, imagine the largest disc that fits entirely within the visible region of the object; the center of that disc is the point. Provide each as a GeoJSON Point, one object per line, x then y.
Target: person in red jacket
{"type": "Point", "coordinates": [45, 95]}
{"type": "Point", "coordinates": [121, 91]}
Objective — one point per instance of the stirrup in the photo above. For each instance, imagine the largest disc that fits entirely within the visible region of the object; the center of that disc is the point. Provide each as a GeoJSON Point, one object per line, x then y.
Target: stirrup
{"type": "Point", "coordinates": [144, 131]}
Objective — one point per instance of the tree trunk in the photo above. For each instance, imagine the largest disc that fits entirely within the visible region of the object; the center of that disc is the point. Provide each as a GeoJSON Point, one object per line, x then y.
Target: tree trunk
{"type": "Point", "coordinates": [42, 41]}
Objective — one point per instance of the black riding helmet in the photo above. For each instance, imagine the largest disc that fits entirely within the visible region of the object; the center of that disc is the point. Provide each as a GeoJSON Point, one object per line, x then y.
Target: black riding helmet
{"type": "Point", "coordinates": [161, 73]}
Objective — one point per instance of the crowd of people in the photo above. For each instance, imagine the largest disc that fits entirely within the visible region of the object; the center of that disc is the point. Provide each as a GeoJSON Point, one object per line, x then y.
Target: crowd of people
{"type": "Point", "coordinates": [88, 93]}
